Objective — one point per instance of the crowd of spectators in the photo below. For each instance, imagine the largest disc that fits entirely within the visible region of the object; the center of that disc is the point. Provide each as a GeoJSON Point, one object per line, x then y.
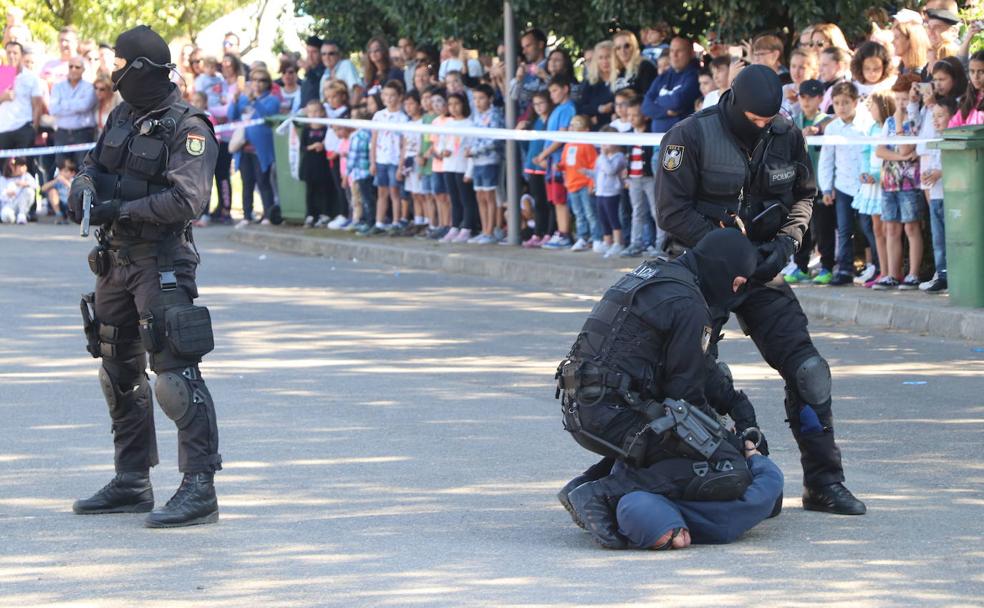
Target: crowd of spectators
{"type": "Point", "coordinates": [911, 74]}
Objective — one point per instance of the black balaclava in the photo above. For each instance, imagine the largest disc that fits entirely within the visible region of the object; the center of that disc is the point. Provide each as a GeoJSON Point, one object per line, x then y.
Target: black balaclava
{"type": "Point", "coordinates": [721, 256]}
{"type": "Point", "coordinates": [146, 86]}
{"type": "Point", "coordinates": [756, 89]}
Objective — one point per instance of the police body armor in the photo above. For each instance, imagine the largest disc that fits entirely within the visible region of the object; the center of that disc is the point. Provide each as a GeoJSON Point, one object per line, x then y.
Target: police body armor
{"type": "Point", "coordinates": [763, 181]}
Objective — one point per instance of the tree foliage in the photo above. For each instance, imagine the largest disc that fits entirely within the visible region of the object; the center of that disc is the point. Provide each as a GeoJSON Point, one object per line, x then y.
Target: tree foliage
{"type": "Point", "coordinates": [105, 21]}
{"type": "Point", "coordinates": [479, 23]}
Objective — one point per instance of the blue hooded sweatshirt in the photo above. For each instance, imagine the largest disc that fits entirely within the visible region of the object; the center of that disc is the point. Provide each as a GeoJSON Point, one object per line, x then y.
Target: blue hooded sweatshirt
{"type": "Point", "coordinates": [675, 91]}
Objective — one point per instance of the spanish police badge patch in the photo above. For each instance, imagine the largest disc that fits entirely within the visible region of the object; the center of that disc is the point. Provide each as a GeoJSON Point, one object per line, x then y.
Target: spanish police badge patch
{"type": "Point", "coordinates": [673, 157]}
{"type": "Point", "coordinates": [705, 338]}
{"type": "Point", "coordinates": [195, 144]}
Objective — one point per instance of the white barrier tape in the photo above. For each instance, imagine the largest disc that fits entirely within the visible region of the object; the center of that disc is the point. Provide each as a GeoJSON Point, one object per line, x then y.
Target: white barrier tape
{"type": "Point", "coordinates": [10, 153]}
{"type": "Point", "coordinates": [618, 139]}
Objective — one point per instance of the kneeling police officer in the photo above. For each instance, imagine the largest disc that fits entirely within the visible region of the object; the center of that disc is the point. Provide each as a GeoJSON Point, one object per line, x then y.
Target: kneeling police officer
{"type": "Point", "coordinates": [632, 387]}
{"type": "Point", "coordinates": [148, 177]}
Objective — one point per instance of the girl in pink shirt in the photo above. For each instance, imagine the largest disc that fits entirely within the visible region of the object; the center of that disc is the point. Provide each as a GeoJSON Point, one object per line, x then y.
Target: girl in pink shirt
{"type": "Point", "coordinates": [971, 110]}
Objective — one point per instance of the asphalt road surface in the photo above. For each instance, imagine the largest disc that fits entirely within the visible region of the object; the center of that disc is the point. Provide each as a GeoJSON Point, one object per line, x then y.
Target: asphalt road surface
{"type": "Point", "coordinates": [390, 438]}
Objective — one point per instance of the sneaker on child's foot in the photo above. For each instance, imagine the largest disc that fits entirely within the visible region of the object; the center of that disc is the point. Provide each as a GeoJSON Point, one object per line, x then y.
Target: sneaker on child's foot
{"type": "Point", "coordinates": [309, 221]}
{"type": "Point", "coordinates": [533, 242]}
{"type": "Point", "coordinates": [463, 235]}
{"type": "Point", "coordinates": [938, 286]}
{"type": "Point", "coordinates": [21, 218]}
{"type": "Point", "coordinates": [450, 235]}
{"type": "Point", "coordinates": [870, 283]}
{"type": "Point", "coordinates": [886, 282]}
{"type": "Point", "coordinates": [866, 275]}
{"type": "Point", "coordinates": [322, 221]}
{"type": "Point", "coordinates": [927, 284]}
{"type": "Point", "coordinates": [632, 251]}
{"type": "Point", "coordinates": [600, 247]}
{"type": "Point", "coordinates": [796, 276]}
{"type": "Point", "coordinates": [336, 223]}
{"type": "Point", "coordinates": [558, 242]}
{"type": "Point", "coordinates": [909, 283]}
{"type": "Point", "coordinates": [243, 223]}
{"type": "Point", "coordinates": [580, 245]}
{"type": "Point", "coordinates": [485, 239]}
{"type": "Point", "coordinates": [499, 234]}
{"type": "Point", "coordinates": [824, 277]}
{"type": "Point", "coordinates": [614, 250]}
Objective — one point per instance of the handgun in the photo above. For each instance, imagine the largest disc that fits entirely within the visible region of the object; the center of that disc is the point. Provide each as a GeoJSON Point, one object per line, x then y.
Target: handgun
{"type": "Point", "coordinates": [86, 213]}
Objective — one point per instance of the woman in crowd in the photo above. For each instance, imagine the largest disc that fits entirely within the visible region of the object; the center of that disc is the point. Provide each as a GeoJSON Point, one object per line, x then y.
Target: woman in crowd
{"type": "Point", "coordinates": [559, 64]}
{"type": "Point", "coordinates": [911, 44]}
{"type": "Point", "coordinates": [378, 70]}
{"type": "Point", "coordinates": [630, 69]}
{"type": "Point", "coordinates": [255, 160]}
{"type": "Point", "coordinates": [597, 100]}
{"type": "Point", "coordinates": [106, 100]}
{"type": "Point", "coordinates": [291, 89]}
{"type": "Point", "coordinates": [826, 35]}
{"type": "Point", "coordinates": [185, 66]}
{"type": "Point", "coordinates": [803, 66]}
{"type": "Point", "coordinates": [835, 67]}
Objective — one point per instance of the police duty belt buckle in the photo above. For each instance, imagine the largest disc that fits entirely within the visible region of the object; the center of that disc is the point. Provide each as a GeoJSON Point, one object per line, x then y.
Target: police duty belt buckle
{"type": "Point", "coordinates": [169, 280]}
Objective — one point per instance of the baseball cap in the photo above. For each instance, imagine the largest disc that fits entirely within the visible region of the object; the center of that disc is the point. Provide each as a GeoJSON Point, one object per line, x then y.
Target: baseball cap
{"type": "Point", "coordinates": [944, 15]}
{"type": "Point", "coordinates": [811, 88]}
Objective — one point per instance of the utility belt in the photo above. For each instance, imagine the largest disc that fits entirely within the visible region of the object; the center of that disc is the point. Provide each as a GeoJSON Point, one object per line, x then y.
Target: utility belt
{"type": "Point", "coordinates": [109, 253]}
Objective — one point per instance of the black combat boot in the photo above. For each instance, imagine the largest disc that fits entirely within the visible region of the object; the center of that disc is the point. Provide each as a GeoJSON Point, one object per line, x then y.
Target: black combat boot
{"type": "Point", "coordinates": [833, 498]}
{"type": "Point", "coordinates": [594, 506]}
{"type": "Point", "coordinates": [564, 497]}
{"type": "Point", "coordinates": [194, 503]}
{"type": "Point", "coordinates": [125, 493]}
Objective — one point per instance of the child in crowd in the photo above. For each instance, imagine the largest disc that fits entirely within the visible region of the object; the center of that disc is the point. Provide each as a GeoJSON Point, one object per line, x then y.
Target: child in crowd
{"type": "Point", "coordinates": [972, 103]}
{"type": "Point", "coordinates": [868, 202]}
{"type": "Point", "coordinates": [608, 169]}
{"type": "Point", "coordinates": [823, 223]}
{"type": "Point", "coordinates": [412, 179]}
{"type": "Point", "coordinates": [536, 175]}
{"type": "Point", "coordinates": [18, 190]}
{"type": "Point", "coordinates": [442, 198]}
{"type": "Point", "coordinates": [839, 174]}
{"type": "Point", "coordinates": [57, 189]}
{"type": "Point", "coordinates": [210, 82]}
{"type": "Point", "coordinates": [901, 202]}
{"type": "Point", "coordinates": [336, 99]}
{"type": "Point", "coordinates": [560, 120]}
{"type": "Point", "coordinates": [313, 170]}
{"type": "Point", "coordinates": [705, 82]}
{"type": "Point", "coordinates": [931, 174]}
{"type": "Point", "coordinates": [486, 156]}
{"type": "Point", "coordinates": [720, 76]}
{"type": "Point", "coordinates": [423, 164]}
{"type": "Point", "coordinates": [621, 122]}
{"type": "Point", "coordinates": [872, 69]}
{"type": "Point", "coordinates": [575, 160]}
{"type": "Point", "coordinates": [464, 207]}
{"type": "Point", "coordinates": [346, 195]}
{"type": "Point", "coordinates": [359, 177]}
{"type": "Point", "coordinates": [384, 158]}
{"type": "Point", "coordinates": [642, 189]}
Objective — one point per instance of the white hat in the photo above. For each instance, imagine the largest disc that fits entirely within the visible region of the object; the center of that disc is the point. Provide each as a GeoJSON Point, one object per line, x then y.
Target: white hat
{"type": "Point", "coordinates": [908, 16]}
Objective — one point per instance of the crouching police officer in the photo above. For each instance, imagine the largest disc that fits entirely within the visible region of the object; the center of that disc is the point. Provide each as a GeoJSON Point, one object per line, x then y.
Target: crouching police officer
{"type": "Point", "coordinates": [633, 386]}
{"type": "Point", "coordinates": [740, 164]}
{"type": "Point", "coordinates": [148, 177]}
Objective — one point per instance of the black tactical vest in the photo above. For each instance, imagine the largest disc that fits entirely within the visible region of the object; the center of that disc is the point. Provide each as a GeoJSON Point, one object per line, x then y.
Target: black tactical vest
{"type": "Point", "coordinates": [732, 183]}
{"type": "Point", "coordinates": [135, 153]}
{"type": "Point", "coordinates": [615, 342]}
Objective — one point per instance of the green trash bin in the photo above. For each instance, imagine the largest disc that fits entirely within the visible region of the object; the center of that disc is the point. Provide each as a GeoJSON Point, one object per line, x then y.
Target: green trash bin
{"type": "Point", "coordinates": [963, 184]}
{"type": "Point", "coordinates": [290, 190]}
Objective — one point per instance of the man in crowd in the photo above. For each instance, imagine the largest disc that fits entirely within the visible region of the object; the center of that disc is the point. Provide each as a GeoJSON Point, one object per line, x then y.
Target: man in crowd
{"type": "Point", "coordinates": [671, 97]}
{"type": "Point", "coordinates": [741, 164]}
{"type": "Point", "coordinates": [639, 359]}
{"type": "Point", "coordinates": [409, 52]}
{"type": "Point", "coordinates": [532, 76]}
{"type": "Point", "coordinates": [149, 176]}
{"type": "Point", "coordinates": [230, 43]}
{"type": "Point", "coordinates": [338, 68]}
{"type": "Point", "coordinates": [73, 102]}
{"type": "Point", "coordinates": [457, 60]}
{"type": "Point", "coordinates": [314, 70]}
{"type": "Point", "coordinates": [56, 70]}
{"type": "Point", "coordinates": [767, 50]}
{"type": "Point", "coordinates": [942, 25]}
{"type": "Point", "coordinates": [21, 105]}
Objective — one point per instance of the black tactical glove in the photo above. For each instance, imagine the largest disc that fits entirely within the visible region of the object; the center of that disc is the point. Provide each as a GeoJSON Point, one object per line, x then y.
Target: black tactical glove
{"type": "Point", "coordinates": [773, 257]}
{"type": "Point", "coordinates": [80, 184]}
{"type": "Point", "coordinates": [757, 437]}
{"type": "Point", "coordinates": [103, 214]}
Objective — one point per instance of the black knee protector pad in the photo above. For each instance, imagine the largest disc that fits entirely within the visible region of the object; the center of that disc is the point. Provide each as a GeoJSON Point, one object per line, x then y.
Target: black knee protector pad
{"type": "Point", "coordinates": [177, 397]}
{"type": "Point", "coordinates": [122, 398]}
{"type": "Point", "coordinates": [726, 371]}
{"type": "Point", "coordinates": [722, 480]}
{"type": "Point", "coordinates": [813, 380]}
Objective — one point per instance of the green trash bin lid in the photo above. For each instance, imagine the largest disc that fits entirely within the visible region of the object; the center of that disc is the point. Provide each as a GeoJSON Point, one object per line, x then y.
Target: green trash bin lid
{"type": "Point", "coordinates": [961, 138]}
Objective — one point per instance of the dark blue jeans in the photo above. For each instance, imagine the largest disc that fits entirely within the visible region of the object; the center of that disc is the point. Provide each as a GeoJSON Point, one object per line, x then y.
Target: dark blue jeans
{"type": "Point", "coordinates": [939, 235]}
{"type": "Point", "coordinates": [845, 232]}
{"type": "Point", "coordinates": [254, 177]}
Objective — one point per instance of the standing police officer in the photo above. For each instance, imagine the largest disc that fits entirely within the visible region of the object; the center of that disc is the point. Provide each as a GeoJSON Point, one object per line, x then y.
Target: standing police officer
{"type": "Point", "coordinates": [739, 164]}
{"type": "Point", "coordinates": [633, 386]}
{"type": "Point", "coordinates": [148, 177]}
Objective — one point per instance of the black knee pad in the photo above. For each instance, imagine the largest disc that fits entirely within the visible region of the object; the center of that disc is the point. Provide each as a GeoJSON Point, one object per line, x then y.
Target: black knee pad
{"type": "Point", "coordinates": [177, 396]}
{"type": "Point", "coordinates": [813, 380]}
{"type": "Point", "coordinates": [123, 383]}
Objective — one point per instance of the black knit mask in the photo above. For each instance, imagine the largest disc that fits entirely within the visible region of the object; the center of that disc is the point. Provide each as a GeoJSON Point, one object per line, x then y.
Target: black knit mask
{"type": "Point", "coordinates": [722, 256]}
{"type": "Point", "coordinates": [140, 82]}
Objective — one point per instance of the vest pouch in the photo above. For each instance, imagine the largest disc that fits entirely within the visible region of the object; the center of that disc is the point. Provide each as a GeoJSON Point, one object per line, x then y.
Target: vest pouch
{"type": "Point", "coordinates": [778, 180]}
{"type": "Point", "coordinates": [146, 156]}
{"type": "Point", "coordinates": [189, 330]}
{"type": "Point", "coordinates": [723, 182]}
{"type": "Point", "coordinates": [132, 188]}
{"type": "Point", "coordinates": [113, 150]}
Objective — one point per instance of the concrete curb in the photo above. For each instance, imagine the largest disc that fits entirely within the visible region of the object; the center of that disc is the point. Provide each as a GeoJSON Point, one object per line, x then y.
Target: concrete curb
{"type": "Point", "coordinates": [917, 313]}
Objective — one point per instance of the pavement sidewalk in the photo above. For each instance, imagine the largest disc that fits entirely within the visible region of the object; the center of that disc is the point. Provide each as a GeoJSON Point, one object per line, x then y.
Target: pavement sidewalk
{"type": "Point", "coordinates": [586, 272]}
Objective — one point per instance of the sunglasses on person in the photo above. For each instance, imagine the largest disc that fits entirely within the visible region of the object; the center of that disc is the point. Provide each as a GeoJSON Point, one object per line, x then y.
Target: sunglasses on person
{"type": "Point", "coordinates": [623, 47]}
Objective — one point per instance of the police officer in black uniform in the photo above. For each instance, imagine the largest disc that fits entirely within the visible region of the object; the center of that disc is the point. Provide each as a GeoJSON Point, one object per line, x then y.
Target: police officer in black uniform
{"type": "Point", "coordinates": [148, 177]}
{"type": "Point", "coordinates": [740, 164]}
{"type": "Point", "coordinates": [633, 386]}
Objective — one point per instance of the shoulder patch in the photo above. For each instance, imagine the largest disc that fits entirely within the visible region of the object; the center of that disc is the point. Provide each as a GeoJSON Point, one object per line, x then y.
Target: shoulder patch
{"type": "Point", "coordinates": [672, 157]}
{"type": "Point", "coordinates": [645, 271]}
{"type": "Point", "coordinates": [195, 144]}
{"type": "Point", "coordinates": [705, 338]}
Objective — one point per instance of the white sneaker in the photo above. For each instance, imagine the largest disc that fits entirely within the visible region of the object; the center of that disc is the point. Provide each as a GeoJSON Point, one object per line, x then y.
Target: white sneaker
{"type": "Point", "coordinates": [552, 240]}
{"type": "Point", "coordinates": [814, 264]}
{"type": "Point", "coordinates": [242, 223]}
{"type": "Point", "coordinates": [927, 284]}
{"type": "Point", "coordinates": [614, 250]}
{"type": "Point", "coordinates": [463, 235]}
{"type": "Point", "coordinates": [599, 247]}
{"type": "Point", "coordinates": [21, 218]}
{"type": "Point", "coordinates": [486, 239]}
{"type": "Point", "coordinates": [322, 221]}
{"type": "Point", "coordinates": [866, 275]}
{"type": "Point", "coordinates": [265, 222]}
{"type": "Point", "coordinates": [309, 221]}
{"type": "Point", "coordinates": [7, 215]}
{"type": "Point", "coordinates": [450, 236]}
{"type": "Point", "coordinates": [580, 245]}
{"type": "Point", "coordinates": [475, 239]}
{"type": "Point", "coordinates": [336, 223]}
